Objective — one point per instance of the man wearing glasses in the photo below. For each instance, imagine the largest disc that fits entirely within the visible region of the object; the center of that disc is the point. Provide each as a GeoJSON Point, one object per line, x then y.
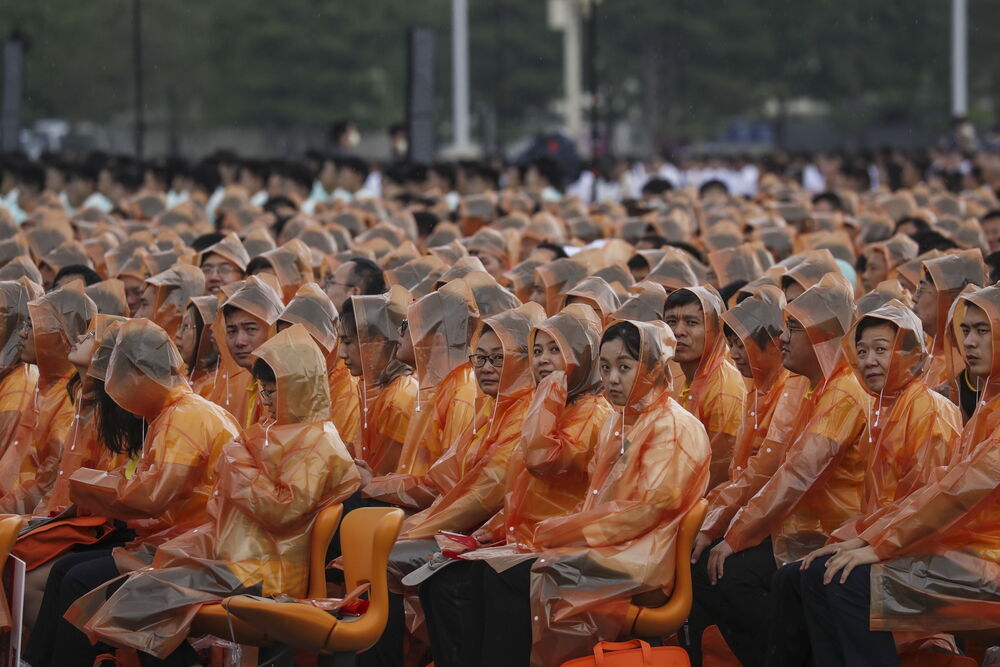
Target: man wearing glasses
{"type": "Point", "coordinates": [224, 263]}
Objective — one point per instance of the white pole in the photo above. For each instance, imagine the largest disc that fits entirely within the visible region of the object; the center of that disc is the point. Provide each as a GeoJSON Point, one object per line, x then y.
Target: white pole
{"type": "Point", "coordinates": [460, 72]}
{"type": "Point", "coordinates": [959, 58]}
{"type": "Point", "coordinates": [572, 70]}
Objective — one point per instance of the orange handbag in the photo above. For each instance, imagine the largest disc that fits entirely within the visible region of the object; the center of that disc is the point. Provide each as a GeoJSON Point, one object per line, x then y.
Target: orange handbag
{"type": "Point", "coordinates": [633, 653]}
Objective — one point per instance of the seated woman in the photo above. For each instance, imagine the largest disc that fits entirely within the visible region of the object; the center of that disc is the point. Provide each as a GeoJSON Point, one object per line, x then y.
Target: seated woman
{"type": "Point", "coordinates": [650, 467]}
{"type": "Point", "coordinates": [196, 344]}
{"type": "Point", "coordinates": [18, 378]}
{"type": "Point", "coordinates": [270, 485]}
{"type": "Point", "coordinates": [161, 494]}
{"type": "Point", "coordinates": [480, 608]}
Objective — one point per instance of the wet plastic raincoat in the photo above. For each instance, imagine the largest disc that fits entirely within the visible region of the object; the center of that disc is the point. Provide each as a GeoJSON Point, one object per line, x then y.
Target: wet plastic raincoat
{"type": "Point", "coordinates": [388, 390]}
{"type": "Point", "coordinates": [471, 475]}
{"type": "Point", "coordinates": [17, 379]}
{"type": "Point", "coordinates": [172, 481]}
{"type": "Point", "coordinates": [234, 388]}
{"type": "Point", "coordinates": [109, 297]}
{"type": "Point", "coordinates": [231, 249]}
{"type": "Point", "coordinates": [206, 360]}
{"type": "Point", "coordinates": [717, 391]}
{"type": "Point", "coordinates": [174, 287]}
{"type": "Point", "coordinates": [673, 271]}
{"type": "Point", "coordinates": [650, 467]}
{"type": "Point", "coordinates": [596, 293]}
{"type": "Point", "coordinates": [270, 485]}
{"type": "Point", "coordinates": [312, 308]}
{"type": "Point", "coordinates": [440, 325]}
{"type": "Point", "coordinates": [291, 265]}
{"type": "Point", "coordinates": [28, 467]}
{"type": "Point", "coordinates": [556, 278]}
{"type": "Point", "coordinates": [772, 403]}
{"type": "Point", "coordinates": [817, 486]}
{"type": "Point", "coordinates": [811, 268]}
{"type": "Point", "coordinates": [645, 304]}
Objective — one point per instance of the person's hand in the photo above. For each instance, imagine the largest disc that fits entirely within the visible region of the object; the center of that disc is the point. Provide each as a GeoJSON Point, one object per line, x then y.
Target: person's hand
{"type": "Point", "coordinates": [700, 543]}
{"type": "Point", "coordinates": [846, 561]}
{"type": "Point", "coordinates": [365, 470]}
{"type": "Point", "coordinates": [716, 561]}
{"type": "Point", "coordinates": [483, 536]}
{"type": "Point", "coordinates": [836, 547]}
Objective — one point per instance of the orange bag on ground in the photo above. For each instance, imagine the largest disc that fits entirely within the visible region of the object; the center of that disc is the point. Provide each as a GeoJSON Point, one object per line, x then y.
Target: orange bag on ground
{"type": "Point", "coordinates": [633, 653]}
{"type": "Point", "coordinates": [56, 538]}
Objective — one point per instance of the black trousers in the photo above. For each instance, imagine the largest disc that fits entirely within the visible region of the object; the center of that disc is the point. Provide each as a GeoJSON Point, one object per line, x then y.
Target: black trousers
{"type": "Point", "coordinates": [388, 650]}
{"type": "Point", "coordinates": [788, 640]}
{"type": "Point", "coordinates": [55, 641]}
{"type": "Point", "coordinates": [838, 619]}
{"type": "Point", "coordinates": [738, 604]}
{"type": "Point", "coordinates": [479, 617]}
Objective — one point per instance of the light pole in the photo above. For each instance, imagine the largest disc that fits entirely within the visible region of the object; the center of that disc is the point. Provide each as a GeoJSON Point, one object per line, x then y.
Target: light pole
{"type": "Point", "coordinates": [959, 59]}
{"type": "Point", "coordinates": [460, 73]}
{"type": "Point", "coordinates": [140, 122]}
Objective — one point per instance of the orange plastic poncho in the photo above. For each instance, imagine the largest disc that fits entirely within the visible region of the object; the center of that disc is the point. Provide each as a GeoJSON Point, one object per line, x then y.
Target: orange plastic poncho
{"type": "Point", "coordinates": [172, 481]}
{"type": "Point", "coordinates": [717, 391]}
{"type": "Point", "coordinates": [17, 379]}
{"type": "Point", "coordinates": [206, 359]}
{"type": "Point", "coordinates": [673, 271]}
{"type": "Point", "coordinates": [271, 483]}
{"type": "Point", "coordinates": [291, 265]}
{"type": "Point", "coordinates": [234, 388]}
{"type": "Point", "coordinates": [548, 473]}
{"type": "Point", "coordinates": [650, 467]}
{"type": "Point", "coordinates": [440, 325]}
{"type": "Point", "coordinates": [312, 308]}
{"type": "Point", "coordinates": [556, 278]}
{"type": "Point", "coordinates": [912, 430]}
{"type": "Point", "coordinates": [109, 297]}
{"type": "Point", "coordinates": [596, 293]}
{"type": "Point", "coordinates": [28, 467]}
{"type": "Point", "coordinates": [231, 249]}
{"type": "Point", "coordinates": [817, 486]}
{"type": "Point", "coordinates": [645, 304]}
{"type": "Point", "coordinates": [948, 276]}
{"type": "Point", "coordinates": [471, 475]}
{"type": "Point", "coordinates": [772, 404]}
{"type": "Point", "coordinates": [732, 264]}
{"type": "Point", "coordinates": [174, 288]}
{"type": "Point", "coordinates": [808, 268]}
{"type": "Point", "coordinates": [387, 387]}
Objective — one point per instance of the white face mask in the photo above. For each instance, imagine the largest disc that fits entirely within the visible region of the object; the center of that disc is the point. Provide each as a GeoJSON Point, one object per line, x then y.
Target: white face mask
{"type": "Point", "coordinates": [353, 138]}
{"type": "Point", "coordinates": [401, 146]}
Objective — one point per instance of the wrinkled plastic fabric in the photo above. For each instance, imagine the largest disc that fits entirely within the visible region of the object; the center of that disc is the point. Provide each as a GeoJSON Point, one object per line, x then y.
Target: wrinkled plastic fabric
{"type": "Point", "coordinates": [556, 278]}
{"type": "Point", "coordinates": [596, 293]}
{"type": "Point", "coordinates": [291, 267]}
{"type": "Point", "coordinates": [387, 386]}
{"type": "Point", "coordinates": [17, 379]}
{"type": "Point", "coordinates": [732, 264]}
{"type": "Point", "coordinates": [646, 303]}
{"type": "Point", "coordinates": [231, 249]}
{"type": "Point", "coordinates": [21, 267]}
{"type": "Point", "coordinates": [471, 475]}
{"type": "Point", "coordinates": [491, 298]}
{"type": "Point", "coordinates": [174, 288]}
{"type": "Point", "coordinates": [109, 297]}
{"type": "Point", "coordinates": [441, 325]}
{"type": "Point", "coordinates": [271, 483]}
{"type": "Point", "coordinates": [234, 387]}
{"type": "Point", "coordinates": [521, 278]}
{"type": "Point", "coordinates": [817, 485]}
{"type": "Point", "coordinates": [897, 250]}
{"type": "Point", "coordinates": [418, 275]}
{"type": "Point", "coordinates": [717, 391]}
{"type": "Point", "coordinates": [810, 267]}
{"type": "Point", "coordinates": [650, 467]}
{"type": "Point", "coordinates": [673, 271]}
{"type": "Point", "coordinates": [174, 476]}
{"type": "Point", "coordinates": [884, 292]}
{"type": "Point", "coordinates": [490, 242]}
{"type": "Point", "coordinates": [206, 360]}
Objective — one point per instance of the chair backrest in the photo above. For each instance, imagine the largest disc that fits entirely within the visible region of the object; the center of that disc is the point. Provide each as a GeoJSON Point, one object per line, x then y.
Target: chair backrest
{"type": "Point", "coordinates": [10, 526]}
{"type": "Point", "coordinates": [323, 530]}
{"type": "Point", "coordinates": [367, 535]}
{"type": "Point", "coordinates": [665, 620]}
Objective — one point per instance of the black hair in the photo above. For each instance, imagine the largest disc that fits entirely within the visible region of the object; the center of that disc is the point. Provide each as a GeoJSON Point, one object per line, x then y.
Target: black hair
{"type": "Point", "coordinates": [280, 201]}
{"type": "Point", "coordinates": [446, 171]}
{"type": "Point", "coordinates": [557, 250]}
{"type": "Point", "coordinates": [298, 174]}
{"type": "Point", "coordinates": [681, 297]}
{"type": "Point", "coordinates": [367, 275]}
{"type": "Point", "coordinates": [927, 241]}
{"type": "Point", "coordinates": [338, 128]}
{"type": "Point", "coordinates": [868, 322]}
{"type": "Point", "coordinates": [657, 186]}
{"type": "Point", "coordinates": [205, 175]}
{"type": "Point", "coordinates": [831, 198]}
{"type": "Point", "coordinates": [31, 175]}
{"type": "Point", "coordinates": [993, 263]}
{"type": "Point", "coordinates": [991, 215]}
{"type": "Point", "coordinates": [88, 274]}
{"type": "Point", "coordinates": [119, 430]}
{"type": "Point", "coordinates": [426, 222]}
{"type": "Point", "coordinates": [487, 329]}
{"type": "Point", "coordinates": [257, 264]}
{"type": "Point", "coordinates": [262, 371]}
{"type": "Point", "coordinates": [728, 332]}
{"type": "Point", "coordinates": [627, 333]}
{"type": "Point", "coordinates": [279, 224]}
{"type": "Point", "coordinates": [206, 241]}
{"type": "Point", "coordinates": [355, 164]}
{"type": "Point", "coordinates": [655, 240]}
{"type": "Point", "coordinates": [727, 291]}
{"type": "Point", "coordinates": [712, 184]}
{"type": "Point", "coordinates": [637, 261]}
{"type": "Point", "coordinates": [919, 223]}
{"type": "Point", "coordinates": [549, 170]}
{"type": "Point", "coordinates": [347, 320]}
{"type": "Point", "coordinates": [688, 248]}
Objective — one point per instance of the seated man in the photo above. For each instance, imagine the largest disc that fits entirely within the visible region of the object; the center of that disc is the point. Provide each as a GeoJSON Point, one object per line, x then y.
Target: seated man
{"type": "Point", "coordinates": [356, 277]}
{"type": "Point", "coordinates": [223, 263]}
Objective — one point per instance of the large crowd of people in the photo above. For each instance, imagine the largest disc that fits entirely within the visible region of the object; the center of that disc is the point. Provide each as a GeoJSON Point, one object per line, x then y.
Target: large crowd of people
{"type": "Point", "coordinates": [546, 371]}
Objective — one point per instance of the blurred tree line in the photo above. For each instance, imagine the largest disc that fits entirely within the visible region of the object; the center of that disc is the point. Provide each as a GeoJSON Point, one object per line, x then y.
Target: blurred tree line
{"type": "Point", "coordinates": [677, 68]}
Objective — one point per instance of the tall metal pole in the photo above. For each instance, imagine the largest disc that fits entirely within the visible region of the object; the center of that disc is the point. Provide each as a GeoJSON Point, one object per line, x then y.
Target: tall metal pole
{"type": "Point", "coordinates": [959, 58]}
{"type": "Point", "coordinates": [572, 51]}
{"type": "Point", "coordinates": [460, 72]}
{"type": "Point", "coordinates": [140, 123]}
{"type": "Point", "coordinates": [13, 88]}
{"type": "Point", "coordinates": [595, 132]}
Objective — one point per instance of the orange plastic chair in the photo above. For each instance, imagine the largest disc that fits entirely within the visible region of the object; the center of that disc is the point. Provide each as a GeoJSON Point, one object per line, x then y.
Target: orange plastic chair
{"type": "Point", "coordinates": [212, 619]}
{"type": "Point", "coordinates": [367, 536]}
{"type": "Point", "coordinates": [10, 526]}
{"type": "Point", "coordinates": [667, 619]}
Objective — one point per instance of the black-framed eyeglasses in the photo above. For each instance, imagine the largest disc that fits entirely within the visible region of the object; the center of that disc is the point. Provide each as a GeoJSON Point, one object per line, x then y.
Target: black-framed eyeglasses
{"type": "Point", "coordinates": [479, 360]}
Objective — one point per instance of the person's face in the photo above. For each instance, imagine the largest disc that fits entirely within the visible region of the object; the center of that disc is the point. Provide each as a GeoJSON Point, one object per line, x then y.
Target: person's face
{"type": "Point", "coordinates": [404, 351]}
{"type": "Point", "coordinates": [133, 293]}
{"type": "Point", "coordinates": [48, 276]}
{"type": "Point", "coordinates": [991, 228]}
{"type": "Point", "coordinates": [146, 302]}
{"type": "Point", "coordinates": [268, 396]}
{"type": "Point", "coordinates": [493, 265]}
{"type": "Point", "coordinates": [349, 350]}
{"type": "Point", "coordinates": [338, 285]}
{"type": "Point", "coordinates": [796, 350]}
{"type": "Point", "coordinates": [876, 270]}
{"type": "Point", "coordinates": [639, 272]}
{"type": "Point", "coordinates": [244, 334]}
{"type": "Point", "coordinates": [186, 337]}
{"type": "Point", "coordinates": [618, 371]}
{"type": "Point", "coordinates": [545, 356]}
{"type": "Point", "coordinates": [738, 353]}
{"type": "Point", "coordinates": [28, 354]}
{"type": "Point", "coordinates": [82, 350]}
{"type": "Point", "coordinates": [328, 176]}
{"type": "Point", "coordinates": [977, 341]}
{"type": "Point", "coordinates": [793, 291]}
{"type": "Point", "coordinates": [538, 295]}
{"type": "Point", "coordinates": [688, 325]}
{"type": "Point", "coordinates": [874, 350]}
{"type": "Point", "coordinates": [925, 307]}
{"type": "Point", "coordinates": [488, 350]}
{"type": "Point", "coordinates": [250, 182]}
{"type": "Point", "coordinates": [219, 272]}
